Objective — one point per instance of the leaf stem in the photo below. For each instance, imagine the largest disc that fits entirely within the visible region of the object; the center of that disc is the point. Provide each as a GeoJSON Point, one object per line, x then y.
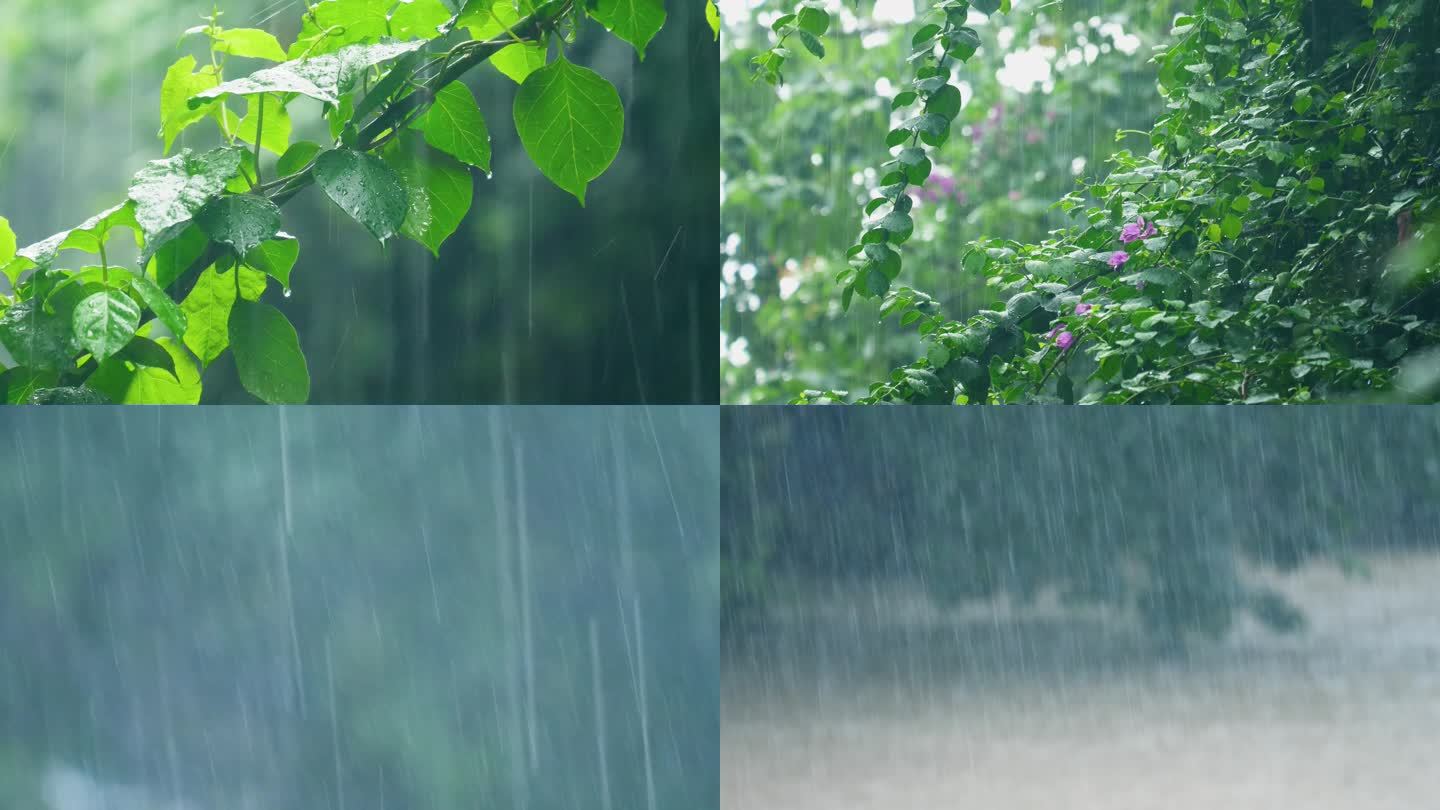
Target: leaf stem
{"type": "Point", "coordinates": [468, 55]}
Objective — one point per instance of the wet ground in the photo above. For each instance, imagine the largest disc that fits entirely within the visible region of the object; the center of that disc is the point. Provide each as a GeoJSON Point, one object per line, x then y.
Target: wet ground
{"type": "Point", "coordinates": [872, 698]}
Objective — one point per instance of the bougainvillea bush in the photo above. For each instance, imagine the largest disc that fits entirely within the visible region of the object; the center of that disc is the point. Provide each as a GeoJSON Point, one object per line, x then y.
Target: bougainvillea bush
{"type": "Point", "coordinates": [1043, 97]}
{"type": "Point", "coordinates": [1276, 242]}
{"type": "Point", "coordinates": [135, 303]}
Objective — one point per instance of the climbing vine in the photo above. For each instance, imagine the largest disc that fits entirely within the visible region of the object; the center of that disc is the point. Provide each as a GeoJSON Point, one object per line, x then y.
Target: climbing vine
{"type": "Point", "coordinates": [406, 135]}
{"type": "Point", "coordinates": [1277, 243]}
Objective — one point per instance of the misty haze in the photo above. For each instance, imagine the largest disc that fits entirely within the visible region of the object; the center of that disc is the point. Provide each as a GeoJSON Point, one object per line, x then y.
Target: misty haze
{"type": "Point", "coordinates": [358, 609]}
{"type": "Point", "coordinates": [1192, 609]}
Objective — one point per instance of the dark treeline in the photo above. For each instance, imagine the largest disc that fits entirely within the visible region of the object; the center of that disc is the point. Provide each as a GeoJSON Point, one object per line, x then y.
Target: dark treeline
{"type": "Point", "coordinates": [384, 607]}
{"type": "Point", "coordinates": [1148, 509]}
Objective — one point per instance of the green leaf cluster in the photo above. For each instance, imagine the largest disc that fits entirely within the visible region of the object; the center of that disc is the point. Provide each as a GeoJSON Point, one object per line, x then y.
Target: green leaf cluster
{"type": "Point", "coordinates": [407, 135]}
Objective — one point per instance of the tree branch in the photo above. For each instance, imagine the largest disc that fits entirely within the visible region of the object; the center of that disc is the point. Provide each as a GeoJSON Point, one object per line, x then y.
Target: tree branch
{"type": "Point", "coordinates": [467, 55]}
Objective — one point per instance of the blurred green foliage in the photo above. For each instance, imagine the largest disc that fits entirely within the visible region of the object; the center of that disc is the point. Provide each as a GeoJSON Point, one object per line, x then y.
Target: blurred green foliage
{"type": "Point", "coordinates": [798, 164]}
{"type": "Point", "coordinates": [1287, 174]}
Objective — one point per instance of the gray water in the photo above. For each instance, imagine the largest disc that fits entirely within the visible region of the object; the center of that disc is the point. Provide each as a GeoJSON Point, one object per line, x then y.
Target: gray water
{"type": "Point", "coordinates": [871, 697]}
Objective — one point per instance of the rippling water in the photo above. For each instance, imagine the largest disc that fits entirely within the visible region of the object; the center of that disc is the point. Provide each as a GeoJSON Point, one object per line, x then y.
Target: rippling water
{"type": "Point", "coordinates": [875, 699]}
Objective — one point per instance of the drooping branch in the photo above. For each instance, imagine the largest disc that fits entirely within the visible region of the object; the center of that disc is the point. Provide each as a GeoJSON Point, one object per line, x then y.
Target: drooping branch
{"type": "Point", "coordinates": [462, 58]}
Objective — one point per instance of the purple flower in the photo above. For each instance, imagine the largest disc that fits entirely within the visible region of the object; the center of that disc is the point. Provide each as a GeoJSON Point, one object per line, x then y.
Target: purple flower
{"type": "Point", "coordinates": [1118, 258]}
{"type": "Point", "coordinates": [1139, 229]}
{"type": "Point", "coordinates": [1054, 330]}
{"type": "Point", "coordinates": [1065, 340]}
{"type": "Point", "coordinates": [1083, 309]}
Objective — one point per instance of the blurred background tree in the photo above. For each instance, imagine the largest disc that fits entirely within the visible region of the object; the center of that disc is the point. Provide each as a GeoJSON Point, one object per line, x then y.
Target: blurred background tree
{"type": "Point", "coordinates": [1152, 511]}
{"type": "Point", "coordinates": [533, 300]}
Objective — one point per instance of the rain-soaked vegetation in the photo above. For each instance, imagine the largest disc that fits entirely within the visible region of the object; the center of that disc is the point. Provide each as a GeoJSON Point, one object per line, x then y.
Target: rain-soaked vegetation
{"type": "Point", "coordinates": [359, 609]}
{"type": "Point", "coordinates": [447, 187]}
{"type": "Point", "coordinates": [1087, 201]}
{"type": "Point", "coordinates": [1076, 608]}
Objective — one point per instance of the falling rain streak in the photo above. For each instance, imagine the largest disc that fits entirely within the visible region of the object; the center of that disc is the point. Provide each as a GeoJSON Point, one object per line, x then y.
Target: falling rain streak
{"type": "Point", "coordinates": [310, 608]}
{"type": "Point", "coordinates": [1190, 608]}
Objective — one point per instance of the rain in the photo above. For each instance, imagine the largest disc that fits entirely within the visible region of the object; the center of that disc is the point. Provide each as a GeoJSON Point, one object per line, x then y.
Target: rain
{"type": "Point", "coordinates": [534, 299]}
{"type": "Point", "coordinates": [359, 608]}
{"type": "Point", "coordinates": [1188, 608]}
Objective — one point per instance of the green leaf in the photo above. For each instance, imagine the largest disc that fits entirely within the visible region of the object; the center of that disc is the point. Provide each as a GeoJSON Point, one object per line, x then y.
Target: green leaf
{"type": "Point", "coordinates": [812, 44]}
{"type": "Point", "coordinates": [127, 383]}
{"type": "Point", "coordinates": [637, 21]}
{"type": "Point", "coordinates": [418, 18]}
{"type": "Point", "coordinates": [925, 35]}
{"type": "Point", "coordinates": [181, 83]}
{"type": "Point", "coordinates": [712, 16]}
{"type": "Point", "coordinates": [296, 157]}
{"type": "Point", "coordinates": [7, 241]}
{"type": "Point", "coordinates": [239, 221]}
{"type": "Point", "coordinates": [814, 20]}
{"type": "Point", "coordinates": [439, 190]}
{"type": "Point", "coordinates": [104, 322]}
{"type": "Point", "coordinates": [142, 351]}
{"type": "Point", "coordinates": [207, 311]}
{"type": "Point", "coordinates": [944, 102]}
{"type": "Point", "coordinates": [168, 192]}
{"type": "Point", "coordinates": [38, 339]}
{"type": "Point", "coordinates": [325, 77]}
{"type": "Point", "coordinates": [18, 384]}
{"type": "Point", "coordinates": [454, 126]}
{"type": "Point", "coordinates": [267, 354]}
{"type": "Point", "coordinates": [518, 61]}
{"type": "Point", "coordinates": [277, 125]}
{"type": "Point", "coordinates": [515, 61]}
{"type": "Point", "coordinates": [167, 256]}
{"type": "Point", "coordinates": [365, 188]}
{"type": "Point", "coordinates": [68, 395]}
{"type": "Point", "coordinates": [86, 236]}
{"type": "Point", "coordinates": [251, 42]}
{"type": "Point", "coordinates": [570, 121]}
{"type": "Point", "coordinates": [161, 304]}
{"type": "Point", "coordinates": [331, 25]}
{"type": "Point", "coordinates": [1230, 226]}
{"type": "Point", "coordinates": [986, 7]}
{"type": "Point", "coordinates": [964, 43]}
{"type": "Point", "coordinates": [276, 257]}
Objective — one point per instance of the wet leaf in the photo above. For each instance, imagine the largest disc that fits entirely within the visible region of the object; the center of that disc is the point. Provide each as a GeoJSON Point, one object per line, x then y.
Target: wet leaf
{"type": "Point", "coordinates": [365, 188]}
{"type": "Point", "coordinates": [570, 122]}
{"type": "Point", "coordinates": [267, 354]}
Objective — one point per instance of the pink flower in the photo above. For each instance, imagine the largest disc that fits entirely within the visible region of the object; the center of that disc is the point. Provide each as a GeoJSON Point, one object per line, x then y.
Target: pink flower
{"type": "Point", "coordinates": [1139, 229]}
{"type": "Point", "coordinates": [1015, 195]}
{"type": "Point", "coordinates": [1083, 309]}
{"type": "Point", "coordinates": [1118, 258]}
{"type": "Point", "coordinates": [1065, 340]}
{"type": "Point", "coordinates": [1032, 136]}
